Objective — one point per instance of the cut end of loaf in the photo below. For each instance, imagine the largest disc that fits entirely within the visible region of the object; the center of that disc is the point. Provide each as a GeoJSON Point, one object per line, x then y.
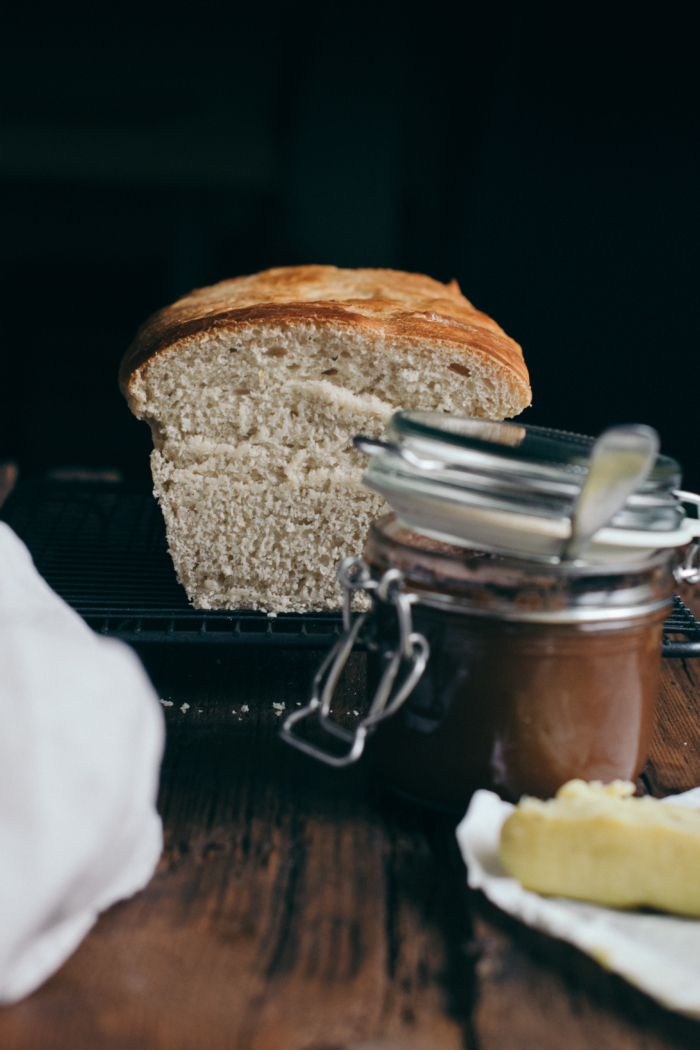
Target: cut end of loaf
{"type": "Point", "coordinates": [253, 419]}
{"type": "Point", "coordinates": [242, 545]}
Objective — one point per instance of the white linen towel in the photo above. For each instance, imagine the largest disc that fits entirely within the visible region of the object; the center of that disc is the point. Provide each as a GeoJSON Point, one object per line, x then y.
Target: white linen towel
{"type": "Point", "coordinates": [81, 739]}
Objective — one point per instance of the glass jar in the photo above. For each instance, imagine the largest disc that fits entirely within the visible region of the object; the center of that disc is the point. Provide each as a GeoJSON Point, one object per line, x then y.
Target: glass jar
{"type": "Point", "coordinates": [537, 673]}
{"type": "Point", "coordinates": [504, 651]}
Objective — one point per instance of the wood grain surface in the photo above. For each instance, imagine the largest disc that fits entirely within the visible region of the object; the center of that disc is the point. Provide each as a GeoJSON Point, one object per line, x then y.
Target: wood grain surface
{"type": "Point", "coordinates": [302, 908]}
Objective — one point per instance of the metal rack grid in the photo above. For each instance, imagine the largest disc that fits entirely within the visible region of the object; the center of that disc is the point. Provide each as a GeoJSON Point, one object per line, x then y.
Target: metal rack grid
{"type": "Point", "coordinates": [681, 621]}
{"type": "Point", "coordinates": [102, 547]}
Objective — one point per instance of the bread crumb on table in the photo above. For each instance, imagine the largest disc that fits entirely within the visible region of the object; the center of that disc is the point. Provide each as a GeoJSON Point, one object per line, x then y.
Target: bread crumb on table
{"type": "Point", "coordinates": [185, 707]}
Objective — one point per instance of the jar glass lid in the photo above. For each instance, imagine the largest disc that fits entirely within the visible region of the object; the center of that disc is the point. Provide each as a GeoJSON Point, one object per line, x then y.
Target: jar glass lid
{"type": "Point", "coordinates": [512, 488]}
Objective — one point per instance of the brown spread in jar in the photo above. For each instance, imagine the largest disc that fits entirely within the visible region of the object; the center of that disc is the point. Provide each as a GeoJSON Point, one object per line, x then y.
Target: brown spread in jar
{"type": "Point", "coordinates": [517, 705]}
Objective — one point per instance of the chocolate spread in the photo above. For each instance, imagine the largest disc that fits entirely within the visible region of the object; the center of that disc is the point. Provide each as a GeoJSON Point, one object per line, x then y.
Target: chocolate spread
{"type": "Point", "coordinates": [518, 707]}
{"type": "Point", "coordinates": [521, 708]}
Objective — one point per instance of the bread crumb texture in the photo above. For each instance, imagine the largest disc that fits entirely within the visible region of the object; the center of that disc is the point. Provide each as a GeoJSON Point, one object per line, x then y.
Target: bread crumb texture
{"type": "Point", "coordinates": [254, 390]}
{"type": "Point", "coordinates": [595, 842]}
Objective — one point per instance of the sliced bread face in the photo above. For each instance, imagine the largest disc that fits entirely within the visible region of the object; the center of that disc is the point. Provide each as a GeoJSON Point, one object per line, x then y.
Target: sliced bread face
{"type": "Point", "coordinates": [253, 413]}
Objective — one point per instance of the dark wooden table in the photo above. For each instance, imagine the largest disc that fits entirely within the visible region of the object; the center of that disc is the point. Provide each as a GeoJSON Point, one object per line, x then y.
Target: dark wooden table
{"type": "Point", "coordinates": [299, 908]}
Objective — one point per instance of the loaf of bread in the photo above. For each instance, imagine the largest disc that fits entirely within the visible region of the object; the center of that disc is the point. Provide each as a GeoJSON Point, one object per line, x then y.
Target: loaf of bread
{"type": "Point", "coordinates": [596, 843]}
{"type": "Point", "coordinates": [254, 389]}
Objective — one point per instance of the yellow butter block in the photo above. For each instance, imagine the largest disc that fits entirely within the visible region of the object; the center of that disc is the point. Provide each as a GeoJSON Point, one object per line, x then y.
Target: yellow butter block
{"type": "Point", "coordinates": [594, 842]}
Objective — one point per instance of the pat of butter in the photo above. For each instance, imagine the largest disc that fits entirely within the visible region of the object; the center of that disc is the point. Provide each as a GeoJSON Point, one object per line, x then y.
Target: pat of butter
{"type": "Point", "coordinates": [594, 842]}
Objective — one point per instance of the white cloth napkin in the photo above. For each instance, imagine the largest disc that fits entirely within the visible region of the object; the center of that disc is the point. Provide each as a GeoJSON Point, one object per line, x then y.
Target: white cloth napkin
{"type": "Point", "coordinates": [81, 738]}
{"type": "Point", "coordinates": [658, 953]}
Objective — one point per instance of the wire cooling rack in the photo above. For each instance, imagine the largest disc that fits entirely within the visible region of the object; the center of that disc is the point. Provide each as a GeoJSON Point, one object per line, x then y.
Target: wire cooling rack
{"type": "Point", "coordinates": [102, 547]}
{"type": "Point", "coordinates": [681, 621]}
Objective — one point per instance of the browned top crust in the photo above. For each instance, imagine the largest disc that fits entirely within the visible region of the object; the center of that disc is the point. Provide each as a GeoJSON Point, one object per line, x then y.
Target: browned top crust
{"type": "Point", "coordinates": [388, 302]}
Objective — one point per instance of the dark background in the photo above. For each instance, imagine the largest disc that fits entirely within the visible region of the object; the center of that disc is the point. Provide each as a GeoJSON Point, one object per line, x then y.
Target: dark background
{"type": "Point", "coordinates": [544, 155]}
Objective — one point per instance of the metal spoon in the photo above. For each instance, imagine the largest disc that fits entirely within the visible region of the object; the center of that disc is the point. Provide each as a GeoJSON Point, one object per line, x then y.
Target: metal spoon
{"type": "Point", "coordinates": [620, 460]}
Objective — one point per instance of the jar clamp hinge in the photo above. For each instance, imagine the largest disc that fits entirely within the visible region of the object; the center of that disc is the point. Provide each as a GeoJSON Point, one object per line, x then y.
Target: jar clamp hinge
{"type": "Point", "coordinates": [404, 667]}
{"type": "Point", "coordinates": [689, 571]}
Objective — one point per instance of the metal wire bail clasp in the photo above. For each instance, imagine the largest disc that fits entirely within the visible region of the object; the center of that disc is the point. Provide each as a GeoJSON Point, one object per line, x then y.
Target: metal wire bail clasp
{"type": "Point", "coordinates": [689, 571]}
{"type": "Point", "coordinates": [410, 655]}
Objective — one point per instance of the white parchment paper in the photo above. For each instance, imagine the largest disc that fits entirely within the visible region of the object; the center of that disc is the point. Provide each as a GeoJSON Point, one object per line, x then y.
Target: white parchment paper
{"type": "Point", "coordinates": [658, 953]}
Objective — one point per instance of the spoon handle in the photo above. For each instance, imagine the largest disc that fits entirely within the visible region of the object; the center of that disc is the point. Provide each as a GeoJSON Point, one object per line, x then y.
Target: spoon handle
{"type": "Point", "coordinates": [621, 458]}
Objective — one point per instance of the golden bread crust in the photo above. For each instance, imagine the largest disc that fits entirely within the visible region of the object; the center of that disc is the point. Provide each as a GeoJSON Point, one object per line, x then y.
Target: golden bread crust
{"type": "Point", "coordinates": [384, 303]}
